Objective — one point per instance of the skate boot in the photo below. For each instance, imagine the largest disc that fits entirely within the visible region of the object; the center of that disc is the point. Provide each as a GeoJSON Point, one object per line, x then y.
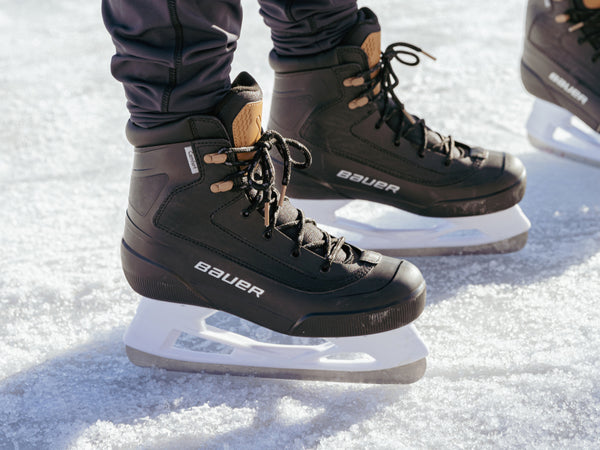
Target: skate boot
{"type": "Point", "coordinates": [561, 67]}
{"type": "Point", "coordinates": [206, 230]}
{"type": "Point", "coordinates": [365, 146]}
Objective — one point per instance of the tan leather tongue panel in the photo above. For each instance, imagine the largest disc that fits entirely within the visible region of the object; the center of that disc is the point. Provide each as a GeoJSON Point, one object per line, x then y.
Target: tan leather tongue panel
{"type": "Point", "coordinates": [592, 4]}
{"type": "Point", "coordinates": [372, 47]}
{"type": "Point", "coordinates": [246, 127]}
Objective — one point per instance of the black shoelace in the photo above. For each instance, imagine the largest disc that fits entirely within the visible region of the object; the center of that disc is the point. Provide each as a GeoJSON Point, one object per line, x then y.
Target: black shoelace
{"type": "Point", "coordinates": [380, 82]}
{"type": "Point", "coordinates": [256, 176]}
{"type": "Point", "coordinates": [588, 21]}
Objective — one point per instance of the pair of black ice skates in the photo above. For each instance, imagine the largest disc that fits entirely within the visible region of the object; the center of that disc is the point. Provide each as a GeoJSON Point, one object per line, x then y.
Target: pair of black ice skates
{"type": "Point", "coordinates": [209, 225]}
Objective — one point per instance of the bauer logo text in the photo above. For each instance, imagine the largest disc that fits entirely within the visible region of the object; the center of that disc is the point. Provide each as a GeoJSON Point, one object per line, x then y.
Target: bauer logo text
{"type": "Point", "coordinates": [568, 88]}
{"type": "Point", "coordinates": [231, 280]}
{"type": "Point", "coordinates": [370, 182]}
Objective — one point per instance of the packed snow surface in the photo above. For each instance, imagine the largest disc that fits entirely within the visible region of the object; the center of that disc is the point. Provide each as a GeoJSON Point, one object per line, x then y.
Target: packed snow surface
{"type": "Point", "coordinates": [514, 339]}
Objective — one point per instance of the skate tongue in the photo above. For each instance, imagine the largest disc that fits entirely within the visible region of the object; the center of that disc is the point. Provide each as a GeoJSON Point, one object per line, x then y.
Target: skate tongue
{"type": "Point", "coordinates": [366, 34]}
{"type": "Point", "coordinates": [241, 111]}
{"type": "Point", "coordinates": [241, 114]}
{"type": "Point", "coordinates": [590, 4]}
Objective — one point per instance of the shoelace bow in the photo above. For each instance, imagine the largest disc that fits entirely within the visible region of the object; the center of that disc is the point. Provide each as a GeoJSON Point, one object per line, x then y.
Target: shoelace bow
{"type": "Point", "coordinates": [589, 22]}
{"type": "Point", "coordinates": [256, 175]}
{"type": "Point", "coordinates": [380, 82]}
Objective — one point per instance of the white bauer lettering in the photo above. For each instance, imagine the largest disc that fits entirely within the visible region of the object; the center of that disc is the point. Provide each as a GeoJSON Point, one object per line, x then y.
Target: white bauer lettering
{"type": "Point", "coordinates": [219, 274]}
{"type": "Point", "coordinates": [243, 285]}
{"type": "Point", "coordinates": [256, 290]}
{"type": "Point", "coordinates": [371, 182]}
{"type": "Point", "coordinates": [344, 174]}
{"type": "Point", "coordinates": [225, 279]}
{"type": "Point", "coordinates": [568, 88]}
{"type": "Point", "coordinates": [202, 266]}
{"type": "Point", "coordinates": [214, 272]}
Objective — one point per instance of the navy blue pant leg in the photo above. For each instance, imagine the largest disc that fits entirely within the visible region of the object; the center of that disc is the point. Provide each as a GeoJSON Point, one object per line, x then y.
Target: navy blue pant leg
{"type": "Point", "coordinates": [174, 56]}
{"type": "Point", "coordinates": [306, 27]}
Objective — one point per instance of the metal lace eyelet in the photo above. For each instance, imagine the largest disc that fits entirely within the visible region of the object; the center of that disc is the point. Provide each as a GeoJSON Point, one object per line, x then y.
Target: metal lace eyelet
{"type": "Point", "coordinates": [268, 234]}
{"type": "Point", "coordinates": [245, 213]}
{"type": "Point", "coordinates": [447, 162]}
{"type": "Point", "coordinates": [325, 268]}
{"type": "Point", "coordinates": [421, 155]}
{"type": "Point", "coordinates": [295, 253]}
{"type": "Point", "coordinates": [397, 143]}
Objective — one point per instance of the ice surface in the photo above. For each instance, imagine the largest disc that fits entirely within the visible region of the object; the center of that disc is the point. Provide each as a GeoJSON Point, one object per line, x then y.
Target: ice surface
{"type": "Point", "coordinates": [514, 339]}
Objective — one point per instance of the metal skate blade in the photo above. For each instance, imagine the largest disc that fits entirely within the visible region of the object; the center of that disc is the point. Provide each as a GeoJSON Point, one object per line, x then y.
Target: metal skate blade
{"type": "Point", "coordinates": [395, 356]}
{"type": "Point", "coordinates": [405, 374]}
{"type": "Point", "coordinates": [396, 232]}
{"type": "Point", "coordinates": [555, 130]}
{"type": "Point", "coordinates": [510, 245]}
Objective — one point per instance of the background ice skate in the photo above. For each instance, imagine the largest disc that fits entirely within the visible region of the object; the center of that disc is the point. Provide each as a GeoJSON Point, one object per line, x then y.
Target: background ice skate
{"type": "Point", "coordinates": [514, 339]}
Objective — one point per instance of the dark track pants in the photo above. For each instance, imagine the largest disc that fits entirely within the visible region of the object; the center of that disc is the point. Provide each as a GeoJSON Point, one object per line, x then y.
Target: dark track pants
{"type": "Point", "coordinates": [174, 56]}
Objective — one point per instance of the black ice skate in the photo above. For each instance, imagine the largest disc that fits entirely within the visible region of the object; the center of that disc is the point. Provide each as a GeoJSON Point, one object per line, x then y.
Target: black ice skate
{"type": "Point", "coordinates": [561, 66]}
{"type": "Point", "coordinates": [206, 230]}
{"type": "Point", "coordinates": [366, 146]}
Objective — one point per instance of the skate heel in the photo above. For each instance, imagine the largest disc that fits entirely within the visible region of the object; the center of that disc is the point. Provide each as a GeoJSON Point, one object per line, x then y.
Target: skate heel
{"type": "Point", "coordinates": [154, 281]}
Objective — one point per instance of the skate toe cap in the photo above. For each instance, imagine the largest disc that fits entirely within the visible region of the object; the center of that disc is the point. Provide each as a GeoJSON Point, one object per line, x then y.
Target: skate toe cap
{"type": "Point", "coordinates": [405, 282]}
{"type": "Point", "coordinates": [501, 174]}
{"type": "Point", "coordinates": [514, 170]}
{"type": "Point", "coordinates": [513, 178]}
{"type": "Point", "coordinates": [391, 280]}
{"type": "Point", "coordinates": [408, 287]}
{"type": "Point", "coordinates": [409, 277]}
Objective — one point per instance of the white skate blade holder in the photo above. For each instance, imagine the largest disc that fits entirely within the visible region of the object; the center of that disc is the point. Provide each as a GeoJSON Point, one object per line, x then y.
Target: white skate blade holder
{"type": "Point", "coordinates": [395, 232]}
{"type": "Point", "coordinates": [556, 130]}
{"type": "Point", "coordinates": [396, 356]}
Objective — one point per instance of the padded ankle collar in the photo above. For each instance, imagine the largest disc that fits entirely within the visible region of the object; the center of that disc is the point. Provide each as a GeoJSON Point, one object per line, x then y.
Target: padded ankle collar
{"type": "Point", "coordinates": [341, 55]}
{"type": "Point", "coordinates": [189, 129]}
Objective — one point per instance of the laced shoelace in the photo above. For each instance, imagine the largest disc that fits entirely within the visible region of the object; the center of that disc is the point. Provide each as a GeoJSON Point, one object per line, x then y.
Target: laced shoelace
{"type": "Point", "coordinates": [256, 176]}
{"type": "Point", "coordinates": [380, 82]}
{"type": "Point", "coordinates": [589, 22]}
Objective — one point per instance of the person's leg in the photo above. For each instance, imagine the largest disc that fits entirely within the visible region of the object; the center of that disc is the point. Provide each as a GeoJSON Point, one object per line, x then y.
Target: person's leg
{"type": "Point", "coordinates": [205, 224]}
{"type": "Point", "coordinates": [307, 27]}
{"type": "Point", "coordinates": [173, 57]}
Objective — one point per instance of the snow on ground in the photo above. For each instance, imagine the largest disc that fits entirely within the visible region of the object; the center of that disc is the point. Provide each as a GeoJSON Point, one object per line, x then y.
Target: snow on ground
{"type": "Point", "coordinates": [514, 339]}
